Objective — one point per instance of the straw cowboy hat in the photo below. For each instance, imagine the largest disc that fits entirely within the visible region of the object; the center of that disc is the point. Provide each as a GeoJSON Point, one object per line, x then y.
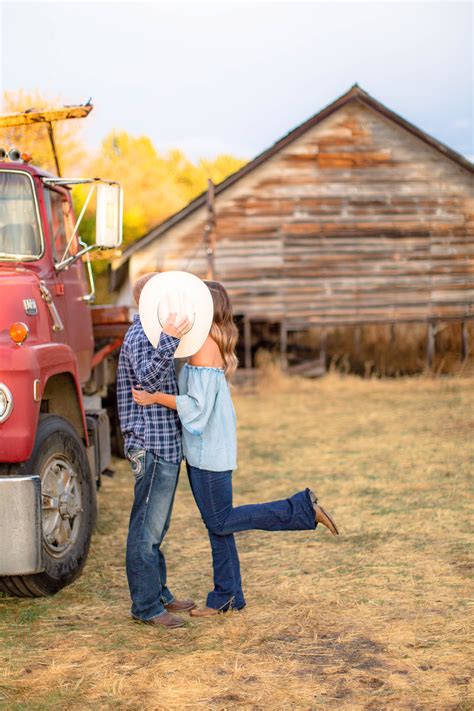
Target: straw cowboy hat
{"type": "Point", "coordinates": [181, 293]}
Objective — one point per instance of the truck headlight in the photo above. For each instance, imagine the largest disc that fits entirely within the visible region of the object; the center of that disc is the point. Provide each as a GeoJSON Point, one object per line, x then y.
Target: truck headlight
{"type": "Point", "coordinates": [6, 402]}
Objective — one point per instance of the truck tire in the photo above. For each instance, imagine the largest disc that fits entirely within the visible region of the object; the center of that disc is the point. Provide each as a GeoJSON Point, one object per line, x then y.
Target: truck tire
{"type": "Point", "coordinates": [69, 508]}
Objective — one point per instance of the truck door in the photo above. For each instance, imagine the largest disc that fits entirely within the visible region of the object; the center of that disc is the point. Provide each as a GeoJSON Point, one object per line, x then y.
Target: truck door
{"type": "Point", "coordinates": [71, 284]}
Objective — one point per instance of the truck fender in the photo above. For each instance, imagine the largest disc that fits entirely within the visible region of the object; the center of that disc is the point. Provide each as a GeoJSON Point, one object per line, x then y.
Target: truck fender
{"type": "Point", "coordinates": [51, 366]}
{"type": "Point", "coordinates": [61, 396]}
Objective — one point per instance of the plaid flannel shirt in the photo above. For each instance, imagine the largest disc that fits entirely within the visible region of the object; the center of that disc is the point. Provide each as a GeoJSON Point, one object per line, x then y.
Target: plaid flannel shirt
{"type": "Point", "coordinates": [152, 427]}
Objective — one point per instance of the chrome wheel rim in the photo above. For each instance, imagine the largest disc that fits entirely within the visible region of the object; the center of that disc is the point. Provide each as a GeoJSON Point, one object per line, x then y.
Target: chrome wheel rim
{"type": "Point", "coordinates": [61, 505]}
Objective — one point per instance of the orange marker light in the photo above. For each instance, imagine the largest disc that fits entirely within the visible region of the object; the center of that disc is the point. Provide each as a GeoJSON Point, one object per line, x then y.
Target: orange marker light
{"type": "Point", "coordinates": [19, 332]}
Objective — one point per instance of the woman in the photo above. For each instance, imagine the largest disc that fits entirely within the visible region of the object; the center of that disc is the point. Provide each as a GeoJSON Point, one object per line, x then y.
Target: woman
{"type": "Point", "coordinates": [207, 414]}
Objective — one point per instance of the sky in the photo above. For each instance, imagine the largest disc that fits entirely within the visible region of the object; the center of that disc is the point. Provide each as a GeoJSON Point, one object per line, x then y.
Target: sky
{"type": "Point", "coordinates": [233, 77]}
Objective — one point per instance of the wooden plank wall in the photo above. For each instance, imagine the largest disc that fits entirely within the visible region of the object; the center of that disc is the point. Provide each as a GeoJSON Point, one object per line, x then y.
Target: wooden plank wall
{"type": "Point", "coordinates": [357, 221]}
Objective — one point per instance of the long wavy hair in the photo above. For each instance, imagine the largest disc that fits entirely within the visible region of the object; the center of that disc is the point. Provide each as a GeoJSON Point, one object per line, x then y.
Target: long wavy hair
{"type": "Point", "coordinates": [223, 329]}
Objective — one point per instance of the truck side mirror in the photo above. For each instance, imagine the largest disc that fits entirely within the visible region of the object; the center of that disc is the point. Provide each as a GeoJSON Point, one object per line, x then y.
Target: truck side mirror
{"type": "Point", "coordinates": [109, 215]}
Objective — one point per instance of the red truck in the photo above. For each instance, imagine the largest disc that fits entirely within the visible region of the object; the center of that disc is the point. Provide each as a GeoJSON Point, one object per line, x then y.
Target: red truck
{"type": "Point", "coordinates": [57, 373]}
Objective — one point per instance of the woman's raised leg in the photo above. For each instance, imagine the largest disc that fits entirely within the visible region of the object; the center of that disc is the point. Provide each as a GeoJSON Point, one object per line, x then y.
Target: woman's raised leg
{"type": "Point", "coordinates": [213, 494]}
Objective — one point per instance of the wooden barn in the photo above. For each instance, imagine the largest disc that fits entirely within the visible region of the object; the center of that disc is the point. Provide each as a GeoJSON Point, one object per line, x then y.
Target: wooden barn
{"type": "Point", "coordinates": [354, 217]}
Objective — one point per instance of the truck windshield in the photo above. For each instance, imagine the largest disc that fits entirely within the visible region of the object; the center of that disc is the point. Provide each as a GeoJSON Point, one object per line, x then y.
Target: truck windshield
{"type": "Point", "coordinates": [19, 233]}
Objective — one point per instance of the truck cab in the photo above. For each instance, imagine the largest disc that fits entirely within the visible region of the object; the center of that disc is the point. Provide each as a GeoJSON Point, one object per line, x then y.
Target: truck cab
{"type": "Point", "coordinates": [54, 428]}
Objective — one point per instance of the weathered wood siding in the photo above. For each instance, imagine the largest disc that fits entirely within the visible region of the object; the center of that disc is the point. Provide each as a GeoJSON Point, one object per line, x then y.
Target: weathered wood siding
{"type": "Point", "coordinates": [356, 221]}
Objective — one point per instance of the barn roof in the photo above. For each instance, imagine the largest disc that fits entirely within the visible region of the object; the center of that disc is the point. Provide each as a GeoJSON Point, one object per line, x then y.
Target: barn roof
{"type": "Point", "coordinates": [355, 93]}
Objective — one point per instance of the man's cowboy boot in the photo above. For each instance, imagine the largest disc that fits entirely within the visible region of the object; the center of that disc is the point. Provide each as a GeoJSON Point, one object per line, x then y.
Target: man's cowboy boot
{"type": "Point", "coordinates": [166, 619]}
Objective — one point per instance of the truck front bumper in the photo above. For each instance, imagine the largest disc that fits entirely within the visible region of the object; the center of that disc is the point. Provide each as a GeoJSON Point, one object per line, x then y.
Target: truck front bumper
{"type": "Point", "coordinates": [21, 536]}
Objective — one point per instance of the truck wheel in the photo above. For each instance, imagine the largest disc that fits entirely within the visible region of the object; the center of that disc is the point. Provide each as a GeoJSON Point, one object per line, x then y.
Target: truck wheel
{"type": "Point", "coordinates": [69, 508]}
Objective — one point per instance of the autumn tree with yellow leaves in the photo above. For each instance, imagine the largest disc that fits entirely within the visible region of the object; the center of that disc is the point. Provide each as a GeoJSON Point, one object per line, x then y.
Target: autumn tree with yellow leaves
{"type": "Point", "coordinates": [155, 185]}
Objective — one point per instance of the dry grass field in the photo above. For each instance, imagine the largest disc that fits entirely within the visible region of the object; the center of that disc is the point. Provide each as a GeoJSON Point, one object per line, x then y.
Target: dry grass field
{"type": "Point", "coordinates": [376, 619]}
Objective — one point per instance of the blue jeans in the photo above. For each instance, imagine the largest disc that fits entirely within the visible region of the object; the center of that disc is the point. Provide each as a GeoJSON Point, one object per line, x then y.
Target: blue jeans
{"type": "Point", "coordinates": [155, 487]}
{"type": "Point", "coordinates": [213, 494]}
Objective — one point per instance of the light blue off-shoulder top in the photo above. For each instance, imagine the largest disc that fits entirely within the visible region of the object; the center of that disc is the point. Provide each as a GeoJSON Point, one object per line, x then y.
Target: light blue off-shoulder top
{"type": "Point", "coordinates": [207, 414]}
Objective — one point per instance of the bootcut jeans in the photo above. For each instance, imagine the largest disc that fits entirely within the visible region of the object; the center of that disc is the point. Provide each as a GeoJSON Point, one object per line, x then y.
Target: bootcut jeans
{"type": "Point", "coordinates": [155, 488]}
{"type": "Point", "coordinates": [213, 495]}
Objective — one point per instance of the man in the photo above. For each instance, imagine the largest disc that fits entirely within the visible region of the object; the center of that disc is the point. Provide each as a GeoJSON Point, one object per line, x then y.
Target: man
{"type": "Point", "coordinates": [152, 440]}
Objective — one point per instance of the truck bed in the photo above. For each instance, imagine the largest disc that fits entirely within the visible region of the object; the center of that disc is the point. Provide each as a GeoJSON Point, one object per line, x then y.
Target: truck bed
{"type": "Point", "coordinates": [110, 321]}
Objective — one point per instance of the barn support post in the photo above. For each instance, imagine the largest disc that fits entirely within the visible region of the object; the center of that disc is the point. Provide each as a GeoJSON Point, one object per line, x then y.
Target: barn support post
{"type": "Point", "coordinates": [430, 344]}
{"type": "Point", "coordinates": [283, 345]}
{"type": "Point", "coordinates": [210, 230]}
{"type": "Point", "coordinates": [393, 334]}
{"type": "Point", "coordinates": [323, 348]}
{"type": "Point", "coordinates": [464, 341]}
{"type": "Point", "coordinates": [357, 340]}
{"type": "Point", "coordinates": [247, 343]}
